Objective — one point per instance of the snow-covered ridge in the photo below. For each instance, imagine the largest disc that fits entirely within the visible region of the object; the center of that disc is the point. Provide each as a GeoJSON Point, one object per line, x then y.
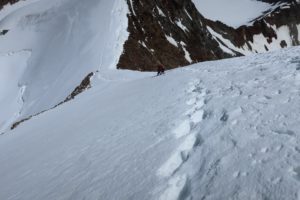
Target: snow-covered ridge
{"type": "Point", "coordinates": [260, 43]}
{"type": "Point", "coordinates": [68, 39]}
{"type": "Point", "coordinates": [12, 66]}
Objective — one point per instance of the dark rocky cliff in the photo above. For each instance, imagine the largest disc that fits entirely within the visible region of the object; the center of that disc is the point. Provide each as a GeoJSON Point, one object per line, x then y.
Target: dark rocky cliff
{"type": "Point", "coordinates": [4, 2]}
{"type": "Point", "coordinates": [153, 23]}
{"type": "Point", "coordinates": [266, 25]}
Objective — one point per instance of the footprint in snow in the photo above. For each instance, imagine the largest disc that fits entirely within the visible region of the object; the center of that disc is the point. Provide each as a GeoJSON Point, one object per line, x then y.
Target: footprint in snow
{"type": "Point", "coordinates": [279, 148]}
{"type": "Point", "coordinates": [297, 78]}
{"type": "Point", "coordinates": [267, 97]}
{"type": "Point", "coordinates": [178, 188]}
{"type": "Point", "coordinates": [197, 117]}
{"type": "Point", "coordinates": [181, 155]}
{"type": "Point", "coordinates": [264, 150]}
{"type": "Point", "coordinates": [236, 174]}
{"type": "Point", "coordinates": [225, 116]}
{"type": "Point", "coordinates": [191, 101]}
{"type": "Point", "coordinates": [183, 129]}
{"type": "Point", "coordinates": [296, 173]}
{"type": "Point", "coordinates": [284, 132]}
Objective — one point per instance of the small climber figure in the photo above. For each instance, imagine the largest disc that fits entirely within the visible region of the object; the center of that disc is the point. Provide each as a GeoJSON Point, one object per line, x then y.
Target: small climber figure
{"type": "Point", "coordinates": [160, 69]}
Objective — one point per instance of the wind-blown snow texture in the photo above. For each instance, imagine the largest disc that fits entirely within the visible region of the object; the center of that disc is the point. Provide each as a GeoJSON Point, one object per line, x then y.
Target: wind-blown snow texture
{"type": "Point", "coordinates": [217, 130]}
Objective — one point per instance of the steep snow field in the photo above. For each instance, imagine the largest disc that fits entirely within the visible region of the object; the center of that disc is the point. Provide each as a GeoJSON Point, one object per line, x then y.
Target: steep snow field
{"type": "Point", "coordinates": [217, 130]}
{"type": "Point", "coordinates": [66, 39]}
{"type": "Point", "coordinates": [232, 12]}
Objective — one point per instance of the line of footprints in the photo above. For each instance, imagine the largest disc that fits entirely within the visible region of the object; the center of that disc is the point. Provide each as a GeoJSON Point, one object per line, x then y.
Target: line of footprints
{"type": "Point", "coordinates": [178, 183]}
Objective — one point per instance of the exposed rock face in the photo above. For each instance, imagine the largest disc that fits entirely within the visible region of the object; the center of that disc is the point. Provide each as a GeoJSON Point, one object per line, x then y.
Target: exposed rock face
{"type": "Point", "coordinates": [4, 2]}
{"type": "Point", "coordinates": [168, 31]}
{"type": "Point", "coordinates": [286, 16]}
{"type": "Point", "coordinates": [174, 33]}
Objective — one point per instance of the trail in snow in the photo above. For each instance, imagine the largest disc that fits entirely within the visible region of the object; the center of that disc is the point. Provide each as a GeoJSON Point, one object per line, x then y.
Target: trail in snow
{"type": "Point", "coordinates": [179, 183]}
{"type": "Point", "coordinates": [249, 132]}
{"type": "Point", "coordinates": [216, 130]}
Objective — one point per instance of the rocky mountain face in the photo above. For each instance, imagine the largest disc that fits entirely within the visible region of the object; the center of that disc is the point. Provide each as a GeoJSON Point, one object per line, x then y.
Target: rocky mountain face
{"type": "Point", "coordinates": [278, 28]}
{"type": "Point", "coordinates": [175, 34]}
{"type": "Point", "coordinates": [172, 32]}
{"type": "Point", "coordinates": [5, 2]}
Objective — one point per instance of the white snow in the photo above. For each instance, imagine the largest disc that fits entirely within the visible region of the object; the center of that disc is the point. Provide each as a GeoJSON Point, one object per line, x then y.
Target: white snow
{"type": "Point", "coordinates": [186, 53]}
{"type": "Point", "coordinates": [172, 40]}
{"type": "Point", "coordinates": [117, 140]}
{"type": "Point", "coordinates": [183, 129]}
{"type": "Point", "coordinates": [197, 116]}
{"type": "Point", "coordinates": [68, 40]}
{"type": "Point", "coordinates": [218, 37]}
{"type": "Point", "coordinates": [160, 12]}
{"type": "Point", "coordinates": [13, 65]}
{"type": "Point", "coordinates": [260, 42]}
{"type": "Point", "coordinates": [175, 189]}
{"type": "Point", "coordinates": [226, 129]}
{"type": "Point", "coordinates": [188, 14]}
{"type": "Point", "coordinates": [180, 25]}
{"type": "Point", "coordinates": [7, 9]}
{"type": "Point", "coordinates": [231, 12]}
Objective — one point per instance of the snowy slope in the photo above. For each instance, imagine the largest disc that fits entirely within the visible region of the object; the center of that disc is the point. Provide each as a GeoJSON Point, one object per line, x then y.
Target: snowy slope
{"type": "Point", "coordinates": [217, 130]}
{"type": "Point", "coordinates": [67, 39]}
{"type": "Point", "coordinates": [232, 12]}
{"type": "Point", "coordinates": [260, 43]}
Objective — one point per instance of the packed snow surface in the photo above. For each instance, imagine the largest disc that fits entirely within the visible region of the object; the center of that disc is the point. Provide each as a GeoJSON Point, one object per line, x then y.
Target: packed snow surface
{"type": "Point", "coordinates": [217, 130]}
{"type": "Point", "coordinates": [231, 12]}
{"type": "Point", "coordinates": [66, 39]}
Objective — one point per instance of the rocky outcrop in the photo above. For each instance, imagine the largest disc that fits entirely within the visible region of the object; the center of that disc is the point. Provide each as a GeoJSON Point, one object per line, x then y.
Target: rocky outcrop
{"type": "Point", "coordinates": [174, 33]}
{"type": "Point", "coordinates": [4, 2]}
{"type": "Point", "coordinates": [168, 31]}
{"type": "Point", "coordinates": [267, 25]}
{"type": "Point", "coordinates": [83, 86]}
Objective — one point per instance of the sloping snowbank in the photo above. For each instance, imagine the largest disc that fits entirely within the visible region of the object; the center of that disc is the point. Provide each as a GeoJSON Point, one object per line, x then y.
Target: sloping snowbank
{"type": "Point", "coordinates": [68, 40]}
{"type": "Point", "coordinates": [13, 65]}
{"type": "Point", "coordinates": [217, 130]}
